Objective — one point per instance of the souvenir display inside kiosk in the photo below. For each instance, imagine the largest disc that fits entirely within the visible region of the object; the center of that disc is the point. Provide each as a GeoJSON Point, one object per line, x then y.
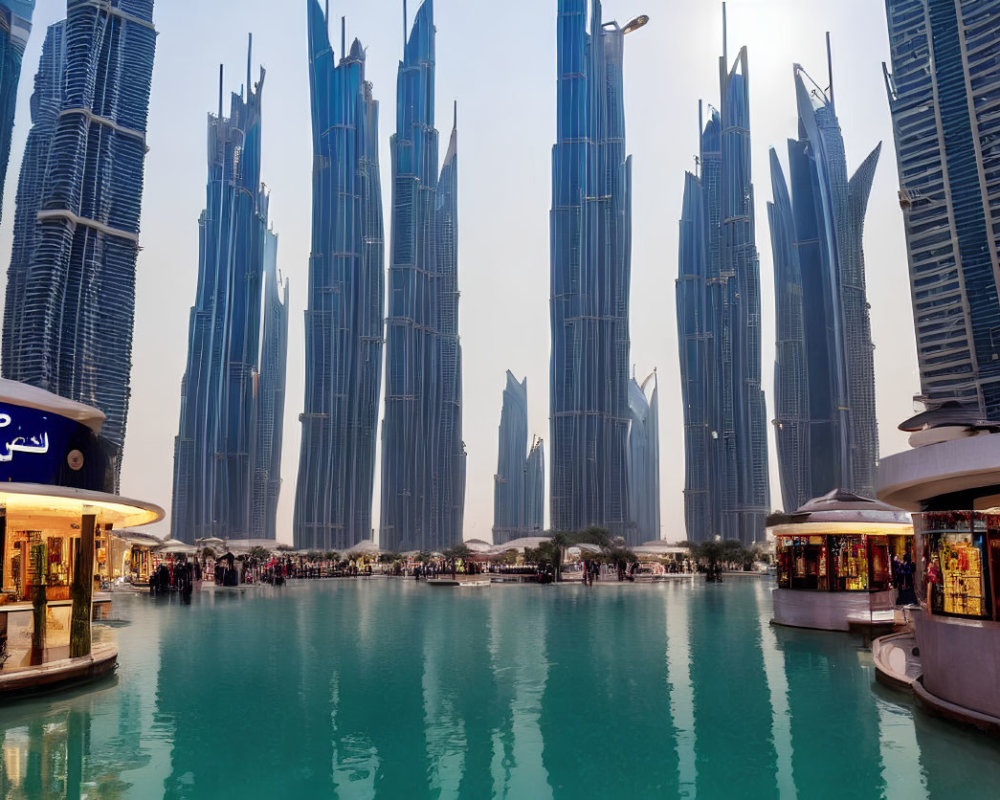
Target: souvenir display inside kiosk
{"type": "Point", "coordinates": [962, 544]}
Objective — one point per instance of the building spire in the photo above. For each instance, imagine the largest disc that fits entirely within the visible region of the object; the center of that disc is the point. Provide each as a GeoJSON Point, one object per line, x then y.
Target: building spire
{"type": "Point", "coordinates": [725, 49]}
{"type": "Point", "coordinates": [220, 92]}
{"type": "Point", "coordinates": [249, 61]}
{"type": "Point", "coordinates": [343, 36]}
{"type": "Point", "coordinates": [829, 72]}
{"type": "Point", "coordinates": [404, 24]}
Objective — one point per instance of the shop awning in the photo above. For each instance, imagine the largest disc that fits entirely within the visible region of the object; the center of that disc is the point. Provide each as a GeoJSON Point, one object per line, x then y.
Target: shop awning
{"type": "Point", "coordinates": [41, 503]}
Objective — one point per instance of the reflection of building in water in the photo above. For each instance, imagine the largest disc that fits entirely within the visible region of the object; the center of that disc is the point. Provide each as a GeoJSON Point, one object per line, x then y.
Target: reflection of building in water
{"type": "Point", "coordinates": [730, 674]}
{"type": "Point", "coordinates": [519, 661]}
{"type": "Point", "coordinates": [461, 710]}
{"type": "Point", "coordinates": [612, 652]}
{"type": "Point", "coordinates": [72, 753]}
{"type": "Point", "coordinates": [295, 707]}
{"type": "Point", "coordinates": [825, 682]}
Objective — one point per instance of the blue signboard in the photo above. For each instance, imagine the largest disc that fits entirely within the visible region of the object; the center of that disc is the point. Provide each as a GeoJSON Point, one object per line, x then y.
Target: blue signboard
{"type": "Point", "coordinates": [43, 447]}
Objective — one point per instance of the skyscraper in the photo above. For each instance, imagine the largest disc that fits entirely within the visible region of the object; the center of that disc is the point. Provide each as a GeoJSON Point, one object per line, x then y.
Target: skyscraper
{"type": "Point", "coordinates": [270, 397]}
{"type": "Point", "coordinates": [228, 447]}
{"type": "Point", "coordinates": [344, 318]}
{"type": "Point", "coordinates": [944, 76]}
{"type": "Point", "coordinates": [519, 482]}
{"type": "Point", "coordinates": [534, 488]}
{"type": "Point", "coordinates": [591, 228]}
{"type": "Point", "coordinates": [46, 102]}
{"type": "Point", "coordinates": [718, 324]}
{"type": "Point", "coordinates": [15, 26]}
{"type": "Point", "coordinates": [644, 460]}
{"type": "Point", "coordinates": [71, 332]}
{"type": "Point", "coordinates": [824, 380]}
{"type": "Point", "coordinates": [508, 482]}
{"type": "Point", "coordinates": [423, 455]}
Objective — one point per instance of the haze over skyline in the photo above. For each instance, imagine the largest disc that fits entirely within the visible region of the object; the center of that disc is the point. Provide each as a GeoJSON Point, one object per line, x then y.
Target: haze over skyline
{"type": "Point", "coordinates": [502, 72]}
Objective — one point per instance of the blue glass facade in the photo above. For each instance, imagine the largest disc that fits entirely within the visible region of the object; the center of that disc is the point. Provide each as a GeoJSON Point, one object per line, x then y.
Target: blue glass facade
{"type": "Point", "coordinates": [718, 322]}
{"type": "Point", "coordinates": [270, 397]}
{"type": "Point", "coordinates": [15, 26]}
{"type": "Point", "coordinates": [229, 437]}
{"type": "Point", "coordinates": [423, 455]}
{"type": "Point", "coordinates": [644, 460]}
{"type": "Point", "coordinates": [344, 318]}
{"type": "Point", "coordinates": [71, 333]}
{"type": "Point", "coordinates": [591, 229]}
{"type": "Point", "coordinates": [534, 488]}
{"type": "Point", "coordinates": [519, 482]}
{"type": "Point", "coordinates": [944, 81]}
{"type": "Point", "coordinates": [824, 380]}
{"type": "Point", "coordinates": [46, 102]}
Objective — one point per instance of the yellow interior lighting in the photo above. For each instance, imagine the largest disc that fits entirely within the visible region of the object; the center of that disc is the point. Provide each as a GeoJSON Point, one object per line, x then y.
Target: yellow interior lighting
{"type": "Point", "coordinates": [30, 503]}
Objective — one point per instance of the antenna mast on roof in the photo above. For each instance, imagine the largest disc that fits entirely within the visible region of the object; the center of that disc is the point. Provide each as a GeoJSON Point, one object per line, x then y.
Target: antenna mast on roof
{"type": "Point", "coordinates": [404, 24]}
{"type": "Point", "coordinates": [220, 92]}
{"type": "Point", "coordinates": [249, 59]}
{"type": "Point", "coordinates": [343, 36]}
{"type": "Point", "coordinates": [829, 71]}
{"type": "Point", "coordinates": [725, 50]}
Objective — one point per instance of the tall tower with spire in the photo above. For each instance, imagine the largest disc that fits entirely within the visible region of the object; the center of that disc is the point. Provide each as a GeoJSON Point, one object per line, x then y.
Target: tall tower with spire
{"type": "Point", "coordinates": [591, 231]}
{"type": "Point", "coordinates": [423, 455]}
{"type": "Point", "coordinates": [345, 312]}
{"type": "Point", "coordinates": [824, 379]}
{"type": "Point", "coordinates": [227, 453]}
{"type": "Point", "coordinates": [726, 491]}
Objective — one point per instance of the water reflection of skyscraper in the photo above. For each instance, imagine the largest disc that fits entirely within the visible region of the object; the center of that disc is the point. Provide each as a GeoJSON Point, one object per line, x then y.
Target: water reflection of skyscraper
{"type": "Point", "coordinates": [825, 685]}
{"type": "Point", "coordinates": [519, 661]}
{"type": "Point", "coordinates": [612, 671]}
{"type": "Point", "coordinates": [235, 670]}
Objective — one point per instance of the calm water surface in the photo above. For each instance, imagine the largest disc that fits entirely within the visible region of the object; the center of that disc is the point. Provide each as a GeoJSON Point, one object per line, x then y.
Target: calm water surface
{"type": "Point", "coordinates": [386, 688]}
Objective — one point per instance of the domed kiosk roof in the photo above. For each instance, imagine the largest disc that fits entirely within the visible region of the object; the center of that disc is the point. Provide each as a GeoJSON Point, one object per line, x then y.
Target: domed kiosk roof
{"type": "Point", "coordinates": [840, 506]}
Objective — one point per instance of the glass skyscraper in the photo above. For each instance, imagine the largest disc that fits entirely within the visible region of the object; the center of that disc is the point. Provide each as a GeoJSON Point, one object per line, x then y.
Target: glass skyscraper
{"type": "Point", "coordinates": [718, 320]}
{"type": "Point", "coordinates": [71, 285]}
{"type": "Point", "coordinates": [591, 229]}
{"type": "Point", "coordinates": [15, 26]}
{"type": "Point", "coordinates": [942, 88]}
{"type": "Point", "coordinates": [824, 380]}
{"type": "Point", "coordinates": [534, 488]}
{"type": "Point", "coordinates": [228, 448]}
{"type": "Point", "coordinates": [423, 455]}
{"type": "Point", "coordinates": [519, 482]}
{"type": "Point", "coordinates": [644, 460]}
{"type": "Point", "coordinates": [345, 314]}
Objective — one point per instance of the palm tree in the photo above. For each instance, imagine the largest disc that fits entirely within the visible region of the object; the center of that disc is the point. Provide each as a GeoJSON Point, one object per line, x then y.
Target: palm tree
{"type": "Point", "coordinates": [561, 541]}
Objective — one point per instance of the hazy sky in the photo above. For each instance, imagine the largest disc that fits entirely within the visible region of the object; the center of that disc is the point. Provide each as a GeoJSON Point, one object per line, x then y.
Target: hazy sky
{"type": "Point", "coordinates": [498, 61]}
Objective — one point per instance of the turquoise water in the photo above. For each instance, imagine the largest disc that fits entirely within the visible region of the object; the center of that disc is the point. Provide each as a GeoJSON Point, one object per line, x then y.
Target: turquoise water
{"type": "Point", "coordinates": [392, 689]}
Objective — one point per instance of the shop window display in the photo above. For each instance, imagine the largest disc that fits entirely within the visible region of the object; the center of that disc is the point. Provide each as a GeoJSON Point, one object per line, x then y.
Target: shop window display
{"type": "Point", "coordinates": [957, 542]}
{"type": "Point", "coordinates": [857, 563]}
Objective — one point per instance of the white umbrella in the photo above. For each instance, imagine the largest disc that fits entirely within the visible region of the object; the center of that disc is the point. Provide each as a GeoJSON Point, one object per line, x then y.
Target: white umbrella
{"type": "Point", "coordinates": [176, 547]}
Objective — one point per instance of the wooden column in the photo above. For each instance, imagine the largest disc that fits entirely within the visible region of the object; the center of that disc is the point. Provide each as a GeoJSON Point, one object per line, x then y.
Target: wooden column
{"type": "Point", "coordinates": [39, 563]}
{"type": "Point", "coordinates": [82, 590]}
